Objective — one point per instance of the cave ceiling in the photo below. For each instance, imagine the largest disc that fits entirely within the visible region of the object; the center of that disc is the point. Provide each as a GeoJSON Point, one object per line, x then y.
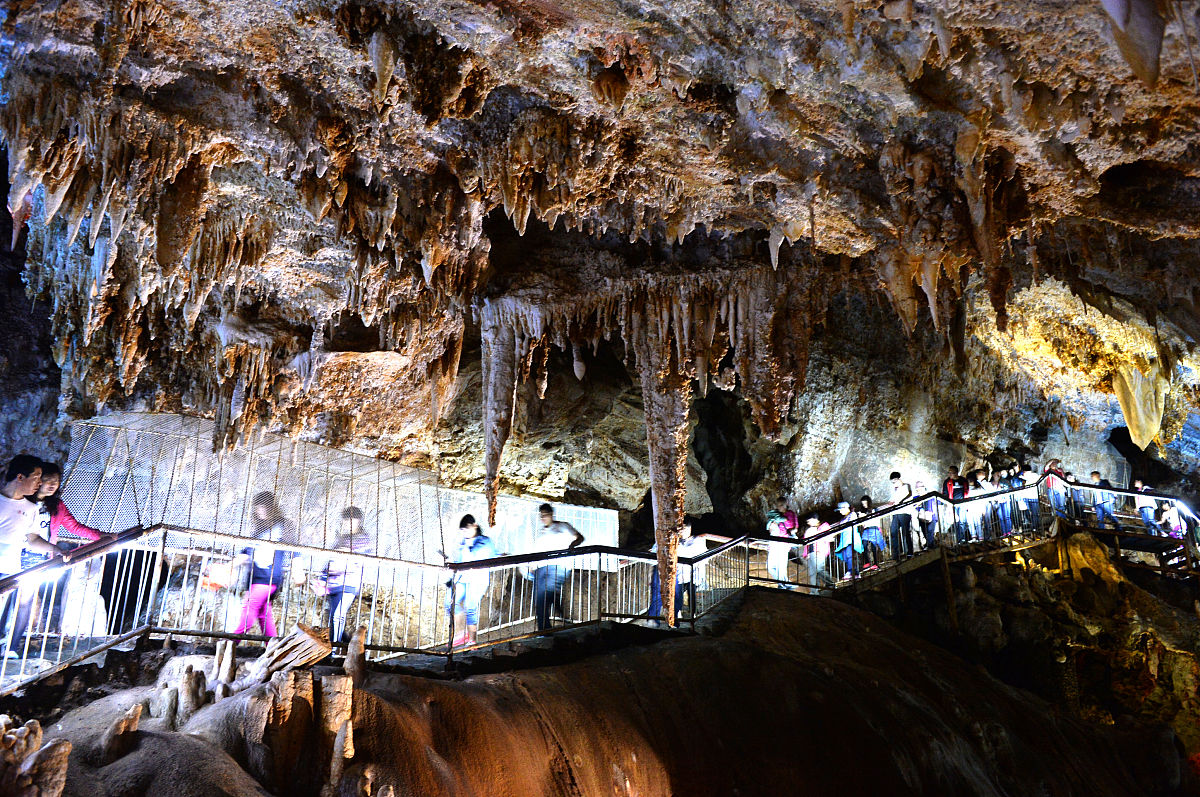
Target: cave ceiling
{"type": "Point", "coordinates": [298, 212]}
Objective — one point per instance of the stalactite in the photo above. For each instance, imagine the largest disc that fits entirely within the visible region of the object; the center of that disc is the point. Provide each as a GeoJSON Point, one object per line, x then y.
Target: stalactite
{"type": "Point", "coordinates": [666, 396]}
{"type": "Point", "coordinates": [504, 348]}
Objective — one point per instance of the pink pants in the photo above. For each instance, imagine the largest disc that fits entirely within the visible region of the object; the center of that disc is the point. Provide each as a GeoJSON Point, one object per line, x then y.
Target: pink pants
{"type": "Point", "coordinates": [257, 606]}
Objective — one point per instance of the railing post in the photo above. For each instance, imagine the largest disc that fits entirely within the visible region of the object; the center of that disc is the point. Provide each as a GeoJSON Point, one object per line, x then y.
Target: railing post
{"type": "Point", "coordinates": [453, 606]}
{"type": "Point", "coordinates": [746, 583]}
{"type": "Point", "coordinates": [692, 596]}
{"type": "Point", "coordinates": [599, 604]}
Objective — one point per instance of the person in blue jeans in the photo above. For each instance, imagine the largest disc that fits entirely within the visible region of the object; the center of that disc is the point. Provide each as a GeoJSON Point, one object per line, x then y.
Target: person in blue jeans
{"type": "Point", "coordinates": [469, 586]}
{"type": "Point", "coordinates": [1102, 502]}
{"type": "Point", "coordinates": [1146, 506]}
{"type": "Point", "coordinates": [548, 579]}
{"type": "Point", "coordinates": [343, 579]}
{"type": "Point", "coordinates": [689, 545]}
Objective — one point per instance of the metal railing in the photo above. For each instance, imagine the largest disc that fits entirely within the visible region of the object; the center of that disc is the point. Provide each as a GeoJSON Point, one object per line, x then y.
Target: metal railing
{"type": "Point", "coordinates": [172, 581]}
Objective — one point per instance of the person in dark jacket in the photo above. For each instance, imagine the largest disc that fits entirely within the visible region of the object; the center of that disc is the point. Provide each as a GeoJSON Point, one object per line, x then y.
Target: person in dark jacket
{"type": "Point", "coordinates": [267, 563]}
{"type": "Point", "coordinates": [1102, 502]}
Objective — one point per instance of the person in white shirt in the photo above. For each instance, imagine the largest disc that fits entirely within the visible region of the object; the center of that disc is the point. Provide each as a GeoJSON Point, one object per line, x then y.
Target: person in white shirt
{"type": "Point", "coordinates": [19, 530]}
{"type": "Point", "coordinates": [689, 545]}
{"type": "Point", "coordinates": [548, 579]}
{"type": "Point", "coordinates": [901, 521]}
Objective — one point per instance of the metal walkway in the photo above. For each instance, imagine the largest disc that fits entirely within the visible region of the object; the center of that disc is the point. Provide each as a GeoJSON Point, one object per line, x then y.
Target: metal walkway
{"type": "Point", "coordinates": [164, 580]}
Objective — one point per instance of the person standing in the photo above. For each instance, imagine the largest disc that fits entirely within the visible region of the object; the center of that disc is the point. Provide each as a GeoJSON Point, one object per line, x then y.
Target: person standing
{"type": "Point", "coordinates": [901, 520]}
{"type": "Point", "coordinates": [848, 543]}
{"type": "Point", "coordinates": [955, 488]}
{"type": "Point", "coordinates": [59, 527]}
{"type": "Point", "coordinates": [1102, 502]}
{"type": "Point", "coordinates": [468, 586]}
{"type": "Point", "coordinates": [18, 530]}
{"type": "Point", "coordinates": [1146, 506]}
{"type": "Point", "coordinates": [781, 522]}
{"type": "Point", "coordinates": [267, 563]}
{"type": "Point", "coordinates": [1056, 485]}
{"type": "Point", "coordinates": [343, 578]}
{"type": "Point", "coordinates": [690, 545]}
{"type": "Point", "coordinates": [1028, 481]}
{"type": "Point", "coordinates": [870, 545]}
{"type": "Point", "coordinates": [927, 516]}
{"type": "Point", "coordinates": [556, 535]}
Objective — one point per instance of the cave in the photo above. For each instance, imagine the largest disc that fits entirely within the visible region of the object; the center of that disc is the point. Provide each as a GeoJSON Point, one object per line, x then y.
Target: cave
{"type": "Point", "coordinates": [462, 398]}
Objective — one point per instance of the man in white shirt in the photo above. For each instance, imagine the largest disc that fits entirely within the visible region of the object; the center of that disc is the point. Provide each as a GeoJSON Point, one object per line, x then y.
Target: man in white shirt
{"type": "Point", "coordinates": [901, 521]}
{"type": "Point", "coordinates": [548, 579]}
{"type": "Point", "coordinates": [19, 529]}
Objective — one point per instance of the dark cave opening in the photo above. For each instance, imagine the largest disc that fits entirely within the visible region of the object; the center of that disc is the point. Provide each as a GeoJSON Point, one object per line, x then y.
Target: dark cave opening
{"type": "Point", "coordinates": [1145, 465]}
{"type": "Point", "coordinates": [719, 443]}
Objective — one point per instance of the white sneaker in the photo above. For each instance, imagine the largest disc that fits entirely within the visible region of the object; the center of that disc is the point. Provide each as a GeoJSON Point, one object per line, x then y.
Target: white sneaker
{"type": "Point", "coordinates": [12, 654]}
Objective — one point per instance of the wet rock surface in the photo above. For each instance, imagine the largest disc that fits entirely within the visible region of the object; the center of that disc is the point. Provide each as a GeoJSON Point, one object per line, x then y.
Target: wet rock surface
{"type": "Point", "coordinates": [781, 689]}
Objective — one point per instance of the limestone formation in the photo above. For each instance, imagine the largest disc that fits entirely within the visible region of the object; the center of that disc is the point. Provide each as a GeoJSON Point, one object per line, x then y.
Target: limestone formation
{"type": "Point", "coordinates": [27, 767]}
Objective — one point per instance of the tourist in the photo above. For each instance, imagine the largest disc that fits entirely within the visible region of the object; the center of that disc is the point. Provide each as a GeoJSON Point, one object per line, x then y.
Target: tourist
{"type": "Point", "coordinates": [1078, 499]}
{"type": "Point", "coordinates": [901, 520]}
{"type": "Point", "coordinates": [343, 578]}
{"type": "Point", "coordinates": [927, 515]}
{"type": "Point", "coordinates": [1173, 520]}
{"type": "Point", "coordinates": [18, 530]}
{"type": "Point", "coordinates": [1001, 506]}
{"type": "Point", "coordinates": [59, 527]}
{"type": "Point", "coordinates": [469, 586]}
{"type": "Point", "coordinates": [266, 562]}
{"type": "Point", "coordinates": [871, 544]}
{"type": "Point", "coordinates": [1056, 485]}
{"type": "Point", "coordinates": [816, 550]}
{"type": "Point", "coordinates": [1102, 502]}
{"type": "Point", "coordinates": [1146, 506]}
{"type": "Point", "coordinates": [955, 488]}
{"type": "Point", "coordinates": [977, 511]}
{"type": "Point", "coordinates": [548, 579]}
{"type": "Point", "coordinates": [690, 545]}
{"type": "Point", "coordinates": [847, 544]}
{"type": "Point", "coordinates": [781, 522]}
{"type": "Point", "coordinates": [1028, 479]}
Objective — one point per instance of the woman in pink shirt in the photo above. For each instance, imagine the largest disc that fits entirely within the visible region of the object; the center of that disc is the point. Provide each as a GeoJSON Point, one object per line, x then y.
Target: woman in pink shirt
{"type": "Point", "coordinates": [59, 527]}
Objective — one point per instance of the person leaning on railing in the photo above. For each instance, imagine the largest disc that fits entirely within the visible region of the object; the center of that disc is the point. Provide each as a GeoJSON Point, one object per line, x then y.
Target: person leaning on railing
{"type": "Point", "coordinates": [18, 524]}
{"type": "Point", "coordinates": [56, 525]}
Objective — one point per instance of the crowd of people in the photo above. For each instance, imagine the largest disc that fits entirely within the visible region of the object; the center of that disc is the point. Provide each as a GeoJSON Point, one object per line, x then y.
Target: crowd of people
{"type": "Point", "coordinates": [866, 536]}
{"type": "Point", "coordinates": [35, 525]}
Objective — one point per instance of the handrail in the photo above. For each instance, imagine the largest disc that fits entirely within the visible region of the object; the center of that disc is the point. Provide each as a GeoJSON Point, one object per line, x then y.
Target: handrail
{"type": "Point", "coordinates": [82, 553]}
{"type": "Point", "coordinates": [327, 553]}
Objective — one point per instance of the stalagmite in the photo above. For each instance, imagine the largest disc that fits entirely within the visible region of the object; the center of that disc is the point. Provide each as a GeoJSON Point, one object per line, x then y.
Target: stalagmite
{"type": "Point", "coordinates": [120, 737]}
{"type": "Point", "coordinates": [355, 664]}
{"type": "Point", "coordinates": [27, 767]}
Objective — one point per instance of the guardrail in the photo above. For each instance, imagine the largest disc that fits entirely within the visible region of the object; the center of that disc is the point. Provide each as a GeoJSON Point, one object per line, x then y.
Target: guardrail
{"type": "Point", "coordinates": [172, 581]}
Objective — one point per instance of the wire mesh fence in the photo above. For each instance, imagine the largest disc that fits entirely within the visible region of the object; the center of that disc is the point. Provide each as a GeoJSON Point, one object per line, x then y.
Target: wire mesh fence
{"type": "Point", "coordinates": [130, 469]}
